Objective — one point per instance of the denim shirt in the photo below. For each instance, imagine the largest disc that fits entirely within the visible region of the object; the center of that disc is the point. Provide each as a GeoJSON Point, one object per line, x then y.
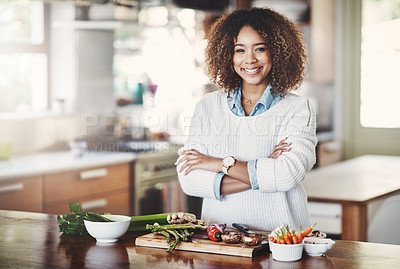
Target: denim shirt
{"type": "Point", "coordinates": [266, 101]}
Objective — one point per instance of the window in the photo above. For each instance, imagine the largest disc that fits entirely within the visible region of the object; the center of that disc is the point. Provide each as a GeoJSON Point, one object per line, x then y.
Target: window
{"type": "Point", "coordinates": [380, 64]}
{"type": "Point", "coordinates": [370, 69]}
{"type": "Point", "coordinates": [23, 57]}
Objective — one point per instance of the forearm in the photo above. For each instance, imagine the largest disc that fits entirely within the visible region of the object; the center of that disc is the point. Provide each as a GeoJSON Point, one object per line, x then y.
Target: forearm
{"type": "Point", "coordinates": [239, 172]}
{"type": "Point", "coordinates": [191, 160]}
{"type": "Point", "coordinates": [230, 185]}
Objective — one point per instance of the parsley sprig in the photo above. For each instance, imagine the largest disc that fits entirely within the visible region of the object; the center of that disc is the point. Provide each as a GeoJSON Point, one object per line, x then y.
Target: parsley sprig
{"type": "Point", "coordinates": [73, 223]}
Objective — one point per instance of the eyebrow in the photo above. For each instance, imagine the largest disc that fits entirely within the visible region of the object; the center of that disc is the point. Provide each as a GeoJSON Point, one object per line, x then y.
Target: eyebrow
{"type": "Point", "coordinates": [254, 45]}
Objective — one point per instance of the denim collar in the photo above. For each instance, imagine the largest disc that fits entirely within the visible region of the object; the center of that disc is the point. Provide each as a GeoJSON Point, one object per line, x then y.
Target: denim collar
{"type": "Point", "coordinates": [266, 101]}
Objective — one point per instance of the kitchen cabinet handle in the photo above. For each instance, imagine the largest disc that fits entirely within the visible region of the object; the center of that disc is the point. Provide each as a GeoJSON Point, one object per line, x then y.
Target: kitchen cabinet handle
{"type": "Point", "coordinates": [94, 204]}
{"type": "Point", "coordinates": [12, 187]}
{"type": "Point", "coordinates": [93, 173]}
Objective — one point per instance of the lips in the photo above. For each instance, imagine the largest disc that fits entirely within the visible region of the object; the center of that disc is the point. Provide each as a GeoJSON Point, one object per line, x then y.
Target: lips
{"type": "Point", "coordinates": [252, 71]}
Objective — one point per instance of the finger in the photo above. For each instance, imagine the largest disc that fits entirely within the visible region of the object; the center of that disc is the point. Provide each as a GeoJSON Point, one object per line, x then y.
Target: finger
{"type": "Point", "coordinates": [276, 153]}
{"type": "Point", "coordinates": [186, 157]}
{"type": "Point", "coordinates": [188, 164]}
{"type": "Point", "coordinates": [278, 148]}
{"type": "Point", "coordinates": [181, 159]}
{"type": "Point", "coordinates": [189, 151]}
{"type": "Point", "coordinates": [183, 167]}
{"type": "Point", "coordinates": [283, 140]}
{"type": "Point", "coordinates": [190, 168]}
{"type": "Point", "coordinates": [283, 150]}
{"type": "Point", "coordinates": [283, 145]}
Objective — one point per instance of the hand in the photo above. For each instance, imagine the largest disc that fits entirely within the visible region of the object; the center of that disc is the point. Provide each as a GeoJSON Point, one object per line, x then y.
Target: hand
{"type": "Point", "coordinates": [280, 148]}
{"type": "Point", "coordinates": [192, 159]}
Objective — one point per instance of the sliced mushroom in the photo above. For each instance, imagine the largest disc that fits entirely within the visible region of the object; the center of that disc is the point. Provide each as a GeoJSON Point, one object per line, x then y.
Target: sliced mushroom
{"type": "Point", "coordinates": [252, 239]}
{"type": "Point", "coordinates": [231, 237]}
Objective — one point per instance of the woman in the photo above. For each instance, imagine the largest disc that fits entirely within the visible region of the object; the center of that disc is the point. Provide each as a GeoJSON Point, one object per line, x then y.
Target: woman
{"type": "Point", "coordinates": [251, 144]}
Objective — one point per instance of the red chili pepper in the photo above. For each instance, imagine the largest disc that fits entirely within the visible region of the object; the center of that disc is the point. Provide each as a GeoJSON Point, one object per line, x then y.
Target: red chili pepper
{"type": "Point", "coordinates": [214, 231]}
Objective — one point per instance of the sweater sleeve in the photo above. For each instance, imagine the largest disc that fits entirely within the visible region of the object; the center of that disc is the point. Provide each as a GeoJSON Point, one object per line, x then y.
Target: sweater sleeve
{"type": "Point", "coordinates": [199, 183]}
{"type": "Point", "coordinates": [289, 169]}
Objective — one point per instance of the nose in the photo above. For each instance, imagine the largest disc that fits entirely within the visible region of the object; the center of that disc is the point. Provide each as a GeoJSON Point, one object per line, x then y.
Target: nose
{"type": "Point", "coordinates": [250, 57]}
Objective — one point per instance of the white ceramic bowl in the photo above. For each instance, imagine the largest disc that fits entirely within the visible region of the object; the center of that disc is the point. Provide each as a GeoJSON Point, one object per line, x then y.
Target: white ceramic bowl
{"type": "Point", "coordinates": [315, 246]}
{"type": "Point", "coordinates": [286, 253]}
{"type": "Point", "coordinates": [108, 232]}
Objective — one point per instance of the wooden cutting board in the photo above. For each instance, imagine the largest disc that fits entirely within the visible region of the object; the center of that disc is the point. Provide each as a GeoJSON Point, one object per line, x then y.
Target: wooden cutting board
{"type": "Point", "coordinates": [200, 243]}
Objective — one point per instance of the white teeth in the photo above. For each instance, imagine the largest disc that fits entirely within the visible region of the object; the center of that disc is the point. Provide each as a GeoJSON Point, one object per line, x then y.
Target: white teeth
{"type": "Point", "coordinates": [251, 70]}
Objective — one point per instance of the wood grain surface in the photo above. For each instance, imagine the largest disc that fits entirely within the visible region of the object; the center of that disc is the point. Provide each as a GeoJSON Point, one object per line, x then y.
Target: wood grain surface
{"type": "Point", "coordinates": [201, 243]}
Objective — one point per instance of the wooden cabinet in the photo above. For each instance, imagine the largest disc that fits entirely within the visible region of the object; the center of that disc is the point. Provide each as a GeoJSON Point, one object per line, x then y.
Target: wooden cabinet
{"type": "Point", "coordinates": [115, 203]}
{"type": "Point", "coordinates": [101, 189]}
{"type": "Point", "coordinates": [24, 194]}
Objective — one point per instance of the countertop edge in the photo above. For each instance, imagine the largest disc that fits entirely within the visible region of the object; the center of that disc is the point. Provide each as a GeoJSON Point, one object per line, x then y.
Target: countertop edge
{"type": "Point", "coordinates": [38, 164]}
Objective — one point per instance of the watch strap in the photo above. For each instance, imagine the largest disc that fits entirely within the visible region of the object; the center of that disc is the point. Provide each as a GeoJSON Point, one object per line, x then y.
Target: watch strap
{"type": "Point", "coordinates": [224, 169]}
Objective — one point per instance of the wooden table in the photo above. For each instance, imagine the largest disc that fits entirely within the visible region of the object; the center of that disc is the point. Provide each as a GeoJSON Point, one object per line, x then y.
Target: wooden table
{"type": "Point", "coordinates": [354, 184]}
{"type": "Point", "coordinates": [32, 240]}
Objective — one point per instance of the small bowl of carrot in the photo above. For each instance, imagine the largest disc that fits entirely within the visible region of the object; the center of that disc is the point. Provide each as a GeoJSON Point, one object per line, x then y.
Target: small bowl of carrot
{"type": "Point", "coordinates": [286, 244]}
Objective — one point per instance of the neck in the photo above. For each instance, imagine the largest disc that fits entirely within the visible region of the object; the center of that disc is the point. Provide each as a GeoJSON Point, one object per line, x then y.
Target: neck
{"type": "Point", "coordinates": [250, 95]}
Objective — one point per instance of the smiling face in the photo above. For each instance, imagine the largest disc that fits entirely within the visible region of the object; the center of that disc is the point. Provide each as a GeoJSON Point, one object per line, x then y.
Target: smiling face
{"type": "Point", "coordinates": [251, 59]}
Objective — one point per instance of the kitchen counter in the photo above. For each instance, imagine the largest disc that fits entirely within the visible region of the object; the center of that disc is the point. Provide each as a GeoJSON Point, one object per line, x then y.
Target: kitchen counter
{"type": "Point", "coordinates": [32, 240]}
{"type": "Point", "coordinates": [54, 162]}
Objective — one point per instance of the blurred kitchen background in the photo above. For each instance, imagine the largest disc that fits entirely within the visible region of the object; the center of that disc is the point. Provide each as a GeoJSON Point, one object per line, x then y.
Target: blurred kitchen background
{"type": "Point", "coordinates": [125, 75]}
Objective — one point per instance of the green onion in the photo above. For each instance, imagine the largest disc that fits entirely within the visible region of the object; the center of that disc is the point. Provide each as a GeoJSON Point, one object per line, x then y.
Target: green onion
{"type": "Point", "coordinates": [138, 223]}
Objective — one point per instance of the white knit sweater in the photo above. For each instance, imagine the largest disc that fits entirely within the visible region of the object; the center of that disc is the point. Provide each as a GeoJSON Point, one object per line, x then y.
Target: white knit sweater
{"type": "Point", "coordinates": [280, 199]}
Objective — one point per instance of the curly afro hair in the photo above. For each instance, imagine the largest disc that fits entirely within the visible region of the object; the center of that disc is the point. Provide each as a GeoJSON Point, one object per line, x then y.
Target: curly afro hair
{"type": "Point", "coordinates": [284, 41]}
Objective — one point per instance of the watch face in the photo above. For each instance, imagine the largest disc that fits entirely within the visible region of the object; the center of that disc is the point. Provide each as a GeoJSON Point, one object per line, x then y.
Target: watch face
{"type": "Point", "coordinates": [228, 161]}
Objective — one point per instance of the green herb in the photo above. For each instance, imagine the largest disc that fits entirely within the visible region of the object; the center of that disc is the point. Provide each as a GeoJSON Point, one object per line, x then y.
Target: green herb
{"type": "Point", "coordinates": [73, 223]}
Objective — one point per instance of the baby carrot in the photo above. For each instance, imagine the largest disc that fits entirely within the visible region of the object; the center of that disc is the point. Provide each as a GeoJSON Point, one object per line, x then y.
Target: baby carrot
{"type": "Point", "coordinates": [299, 236]}
{"type": "Point", "coordinates": [287, 239]}
{"type": "Point", "coordinates": [280, 240]}
{"type": "Point", "coordinates": [294, 237]}
{"type": "Point", "coordinates": [288, 236]}
{"type": "Point", "coordinates": [307, 231]}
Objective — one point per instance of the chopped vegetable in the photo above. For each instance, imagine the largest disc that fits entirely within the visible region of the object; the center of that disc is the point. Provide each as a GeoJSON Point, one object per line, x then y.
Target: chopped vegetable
{"type": "Point", "coordinates": [215, 231]}
{"type": "Point", "coordinates": [306, 232]}
{"type": "Point", "coordinates": [252, 239]}
{"type": "Point", "coordinates": [231, 237]}
{"type": "Point", "coordinates": [283, 235]}
{"type": "Point", "coordinates": [72, 223]}
{"type": "Point", "coordinates": [138, 223]}
{"type": "Point", "coordinates": [180, 232]}
{"type": "Point", "coordinates": [294, 237]}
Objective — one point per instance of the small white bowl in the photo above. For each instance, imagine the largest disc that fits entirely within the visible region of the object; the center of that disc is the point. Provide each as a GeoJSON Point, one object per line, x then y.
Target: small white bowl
{"type": "Point", "coordinates": [286, 253]}
{"type": "Point", "coordinates": [108, 232]}
{"type": "Point", "coordinates": [314, 246]}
